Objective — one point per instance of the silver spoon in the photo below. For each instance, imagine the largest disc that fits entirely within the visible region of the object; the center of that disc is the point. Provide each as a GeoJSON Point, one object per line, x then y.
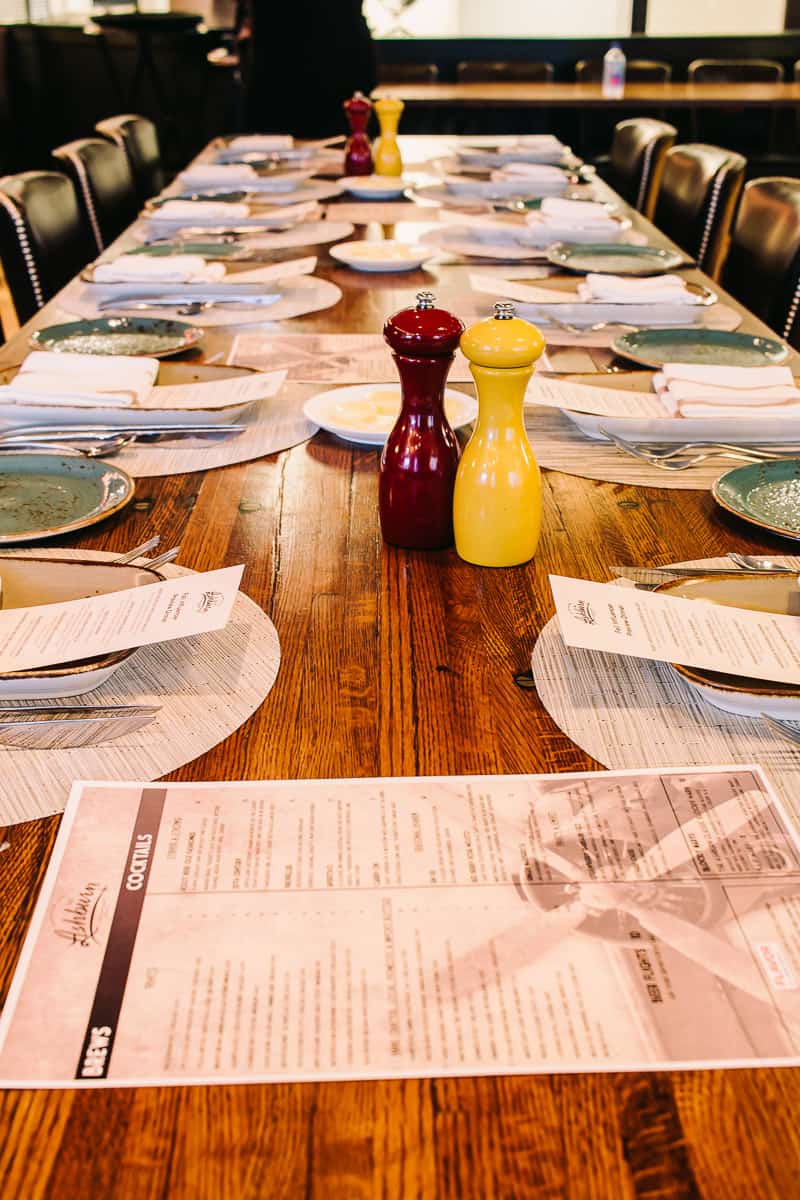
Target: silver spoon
{"type": "Point", "coordinates": [757, 562]}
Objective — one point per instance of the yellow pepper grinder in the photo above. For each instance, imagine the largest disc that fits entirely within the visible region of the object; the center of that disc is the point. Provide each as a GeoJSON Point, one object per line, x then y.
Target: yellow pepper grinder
{"type": "Point", "coordinates": [497, 504]}
{"type": "Point", "coordinates": [386, 152]}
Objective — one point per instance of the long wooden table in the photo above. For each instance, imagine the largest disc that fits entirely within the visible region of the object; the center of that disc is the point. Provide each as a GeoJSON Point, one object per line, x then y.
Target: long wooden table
{"type": "Point", "coordinates": [590, 95]}
{"type": "Point", "coordinates": [395, 663]}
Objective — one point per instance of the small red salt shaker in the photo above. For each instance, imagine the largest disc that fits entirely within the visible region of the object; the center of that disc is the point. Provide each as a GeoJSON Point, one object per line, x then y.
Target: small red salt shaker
{"type": "Point", "coordinates": [357, 150]}
{"type": "Point", "coordinates": [419, 460]}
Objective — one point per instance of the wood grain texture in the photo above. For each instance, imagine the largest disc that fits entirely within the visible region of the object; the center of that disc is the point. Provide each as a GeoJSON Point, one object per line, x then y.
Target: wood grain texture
{"type": "Point", "coordinates": [395, 662]}
{"type": "Point", "coordinates": [590, 95]}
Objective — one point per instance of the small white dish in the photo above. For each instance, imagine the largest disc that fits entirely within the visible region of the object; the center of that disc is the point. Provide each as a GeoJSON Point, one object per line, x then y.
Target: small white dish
{"type": "Point", "coordinates": [374, 187]}
{"type": "Point", "coordinates": [739, 694]}
{"type": "Point", "coordinates": [366, 412]}
{"type": "Point", "coordinates": [29, 581]}
{"type": "Point", "coordinates": [381, 256]}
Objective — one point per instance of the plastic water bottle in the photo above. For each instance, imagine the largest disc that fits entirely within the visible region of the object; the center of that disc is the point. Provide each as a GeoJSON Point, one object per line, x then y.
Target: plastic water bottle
{"type": "Point", "coordinates": [614, 73]}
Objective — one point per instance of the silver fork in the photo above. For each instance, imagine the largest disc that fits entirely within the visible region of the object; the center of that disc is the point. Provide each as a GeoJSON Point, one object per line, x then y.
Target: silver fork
{"type": "Point", "coordinates": [678, 450]}
{"type": "Point", "coordinates": [740, 454]}
{"type": "Point", "coordinates": [787, 729]}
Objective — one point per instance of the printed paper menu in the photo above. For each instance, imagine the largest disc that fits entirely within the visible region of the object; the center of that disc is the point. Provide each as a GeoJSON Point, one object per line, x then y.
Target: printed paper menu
{"type": "Point", "coordinates": [363, 928]}
{"type": "Point", "coordinates": [695, 633]}
{"type": "Point", "coordinates": [158, 612]}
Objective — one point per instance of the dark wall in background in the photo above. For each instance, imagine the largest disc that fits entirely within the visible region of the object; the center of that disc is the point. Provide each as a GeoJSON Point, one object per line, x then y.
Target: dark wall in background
{"type": "Point", "coordinates": [57, 81]}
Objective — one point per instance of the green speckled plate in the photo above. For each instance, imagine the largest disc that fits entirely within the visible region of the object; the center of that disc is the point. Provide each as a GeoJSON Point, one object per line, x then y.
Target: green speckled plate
{"type": "Point", "coordinates": [615, 258]}
{"type": "Point", "coordinates": [767, 494]}
{"type": "Point", "coordinates": [706, 347]}
{"type": "Point", "coordinates": [151, 336]}
{"type": "Point", "coordinates": [44, 495]}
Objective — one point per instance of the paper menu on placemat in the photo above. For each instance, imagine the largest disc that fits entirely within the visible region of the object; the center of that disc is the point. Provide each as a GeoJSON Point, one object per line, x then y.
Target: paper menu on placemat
{"type": "Point", "coordinates": [695, 633]}
{"type": "Point", "coordinates": [368, 928]}
{"type": "Point", "coordinates": [213, 393]}
{"type": "Point", "coordinates": [48, 634]}
{"type": "Point", "coordinates": [327, 357]}
{"type": "Point", "coordinates": [600, 401]}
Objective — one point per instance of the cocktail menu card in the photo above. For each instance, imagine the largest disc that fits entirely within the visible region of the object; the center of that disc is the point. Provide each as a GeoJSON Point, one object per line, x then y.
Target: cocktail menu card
{"type": "Point", "coordinates": [367, 928]}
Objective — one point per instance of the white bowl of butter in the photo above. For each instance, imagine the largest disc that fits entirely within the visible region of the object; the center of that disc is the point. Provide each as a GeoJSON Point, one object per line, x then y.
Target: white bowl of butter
{"type": "Point", "coordinates": [381, 256]}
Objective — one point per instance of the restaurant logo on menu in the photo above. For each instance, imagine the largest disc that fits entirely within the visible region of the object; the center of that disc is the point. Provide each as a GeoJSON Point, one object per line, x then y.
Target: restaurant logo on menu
{"type": "Point", "coordinates": [209, 600]}
{"type": "Point", "coordinates": [78, 919]}
{"type": "Point", "coordinates": [582, 610]}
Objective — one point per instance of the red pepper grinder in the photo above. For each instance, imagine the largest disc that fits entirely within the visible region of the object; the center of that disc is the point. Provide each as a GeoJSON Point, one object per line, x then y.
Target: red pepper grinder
{"type": "Point", "coordinates": [419, 460]}
{"type": "Point", "coordinates": [357, 151]}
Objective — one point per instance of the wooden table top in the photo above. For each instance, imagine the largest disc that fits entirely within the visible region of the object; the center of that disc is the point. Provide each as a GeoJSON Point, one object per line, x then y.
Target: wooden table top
{"type": "Point", "coordinates": [394, 662]}
{"type": "Point", "coordinates": [578, 95]}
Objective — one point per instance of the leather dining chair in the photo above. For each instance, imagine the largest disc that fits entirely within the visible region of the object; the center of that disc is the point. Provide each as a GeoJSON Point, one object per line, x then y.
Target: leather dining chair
{"type": "Point", "coordinates": [636, 161]}
{"type": "Point", "coordinates": [408, 73]}
{"type": "Point", "coordinates": [595, 127]}
{"type": "Point", "coordinates": [762, 269]}
{"type": "Point", "coordinates": [697, 199]}
{"type": "Point", "coordinates": [43, 239]}
{"type": "Point", "coordinates": [504, 72]}
{"type": "Point", "coordinates": [753, 128]}
{"type": "Point", "coordinates": [103, 180]}
{"type": "Point", "coordinates": [637, 70]}
{"type": "Point", "coordinates": [138, 137]}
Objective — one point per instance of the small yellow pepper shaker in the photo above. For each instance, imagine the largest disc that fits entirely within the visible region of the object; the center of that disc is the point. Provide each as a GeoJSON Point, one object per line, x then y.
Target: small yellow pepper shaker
{"type": "Point", "coordinates": [386, 152]}
{"type": "Point", "coordinates": [497, 504]}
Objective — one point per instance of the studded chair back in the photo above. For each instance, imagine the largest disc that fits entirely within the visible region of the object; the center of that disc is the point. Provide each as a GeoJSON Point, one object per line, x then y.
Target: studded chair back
{"type": "Point", "coordinates": [762, 269]}
{"type": "Point", "coordinates": [638, 150]}
{"type": "Point", "coordinates": [104, 183]}
{"type": "Point", "coordinates": [696, 204]}
{"type": "Point", "coordinates": [138, 137]}
{"type": "Point", "coordinates": [43, 239]}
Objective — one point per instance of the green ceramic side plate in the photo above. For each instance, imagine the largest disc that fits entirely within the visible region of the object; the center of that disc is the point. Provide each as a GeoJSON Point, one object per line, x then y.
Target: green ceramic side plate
{"type": "Point", "coordinates": [118, 335]}
{"type": "Point", "coordinates": [43, 495]}
{"type": "Point", "coordinates": [613, 258]}
{"type": "Point", "coordinates": [766, 494]}
{"type": "Point", "coordinates": [706, 347]}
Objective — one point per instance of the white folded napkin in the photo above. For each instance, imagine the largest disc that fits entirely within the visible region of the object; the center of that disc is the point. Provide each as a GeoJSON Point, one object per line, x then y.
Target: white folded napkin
{"type": "Point", "coordinates": [175, 268]}
{"type": "Point", "coordinates": [622, 289]}
{"type": "Point", "coordinates": [82, 380]}
{"type": "Point", "coordinates": [195, 211]}
{"type": "Point", "coordinates": [574, 212]}
{"type": "Point", "coordinates": [541, 230]}
{"type": "Point", "coordinates": [241, 175]}
{"type": "Point", "coordinates": [270, 143]}
{"type": "Point", "coordinates": [218, 173]}
{"type": "Point", "coordinates": [687, 390]}
{"type": "Point", "coordinates": [502, 186]}
{"type": "Point", "coordinates": [533, 172]}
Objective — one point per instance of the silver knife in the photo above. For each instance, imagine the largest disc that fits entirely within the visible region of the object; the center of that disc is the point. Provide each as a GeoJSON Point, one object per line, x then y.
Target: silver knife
{"type": "Point", "coordinates": [98, 432]}
{"type": "Point", "coordinates": [248, 299]}
{"type": "Point", "coordinates": [650, 576]}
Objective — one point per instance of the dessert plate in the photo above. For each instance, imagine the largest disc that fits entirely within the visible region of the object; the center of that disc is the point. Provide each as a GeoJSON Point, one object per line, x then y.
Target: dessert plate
{"type": "Point", "coordinates": [366, 413]}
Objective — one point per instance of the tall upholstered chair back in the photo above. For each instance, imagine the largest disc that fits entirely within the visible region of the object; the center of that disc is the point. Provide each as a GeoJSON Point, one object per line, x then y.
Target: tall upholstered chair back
{"type": "Point", "coordinates": [138, 137]}
{"type": "Point", "coordinates": [43, 239]}
{"type": "Point", "coordinates": [104, 183]}
{"type": "Point", "coordinates": [762, 269]}
{"type": "Point", "coordinates": [696, 203]}
{"type": "Point", "coordinates": [638, 150]}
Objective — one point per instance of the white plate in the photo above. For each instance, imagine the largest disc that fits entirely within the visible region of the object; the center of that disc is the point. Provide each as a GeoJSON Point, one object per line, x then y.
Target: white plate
{"type": "Point", "coordinates": [61, 416]}
{"type": "Point", "coordinates": [747, 430]}
{"type": "Point", "coordinates": [366, 412]}
{"type": "Point", "coordinates": [381, 256]}
{"type": "Point", "coordinates": [374, 187]}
